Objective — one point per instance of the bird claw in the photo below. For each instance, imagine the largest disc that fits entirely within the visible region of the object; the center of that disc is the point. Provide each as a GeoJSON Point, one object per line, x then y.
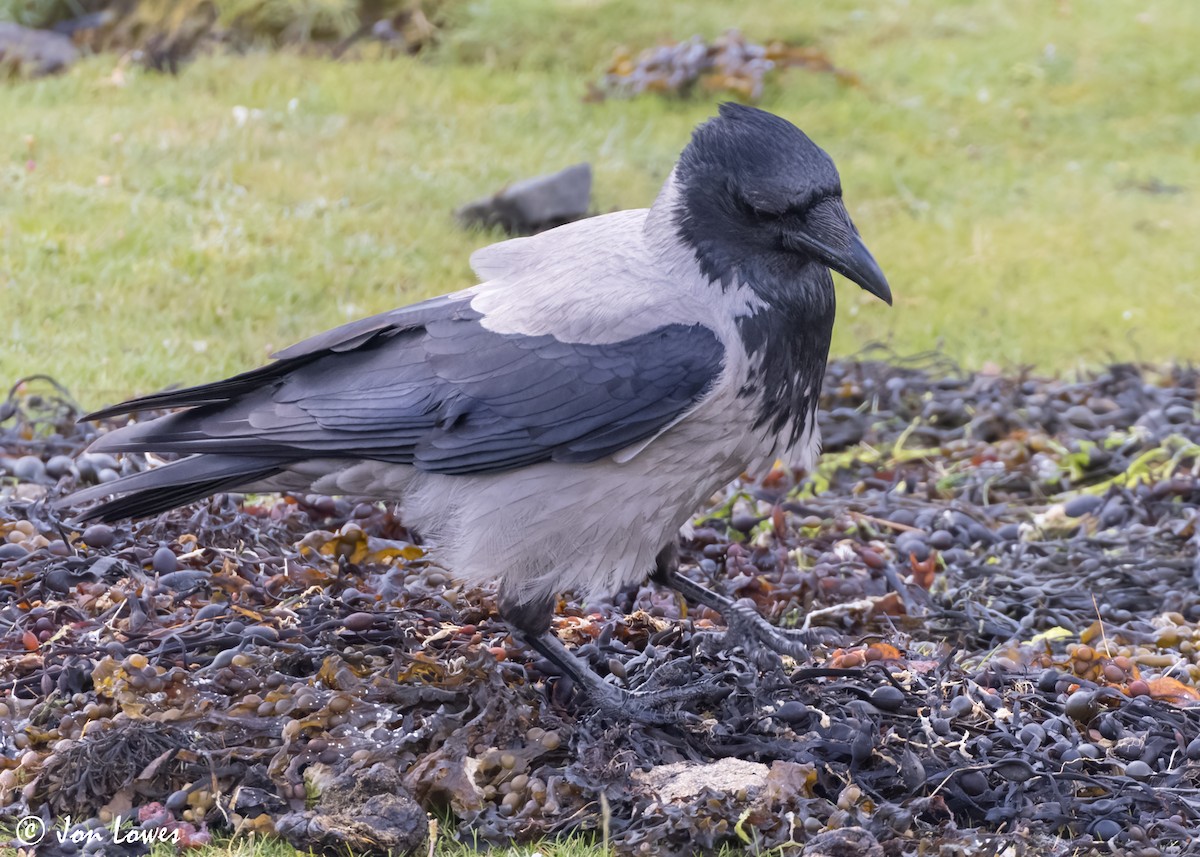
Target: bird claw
{"type": "Point", "coordinates": [747, 627]}
{"type": "Point", "coordinates": [646, 706]}
{"type": "Point", "coordinates": [618, 704]}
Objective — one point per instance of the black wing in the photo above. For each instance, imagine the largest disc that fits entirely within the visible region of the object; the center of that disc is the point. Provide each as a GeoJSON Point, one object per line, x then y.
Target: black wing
{"type": "Point", "coordinates": [430, 386]}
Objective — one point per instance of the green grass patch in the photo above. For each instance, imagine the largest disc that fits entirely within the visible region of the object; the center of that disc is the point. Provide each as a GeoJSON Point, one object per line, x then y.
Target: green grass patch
{"type": "Point", "coordinates": [1025, 172]}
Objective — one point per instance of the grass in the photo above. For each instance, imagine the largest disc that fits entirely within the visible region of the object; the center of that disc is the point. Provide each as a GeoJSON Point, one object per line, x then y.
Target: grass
{"type": "Point", "coordinates": [1002, 160]}
{"type": "Point", "coordinates": [1026, 173]}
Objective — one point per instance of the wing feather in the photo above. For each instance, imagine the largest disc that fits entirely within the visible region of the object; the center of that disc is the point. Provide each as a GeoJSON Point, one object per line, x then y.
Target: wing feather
{"type": "Point", "coordinates": [431, 386]}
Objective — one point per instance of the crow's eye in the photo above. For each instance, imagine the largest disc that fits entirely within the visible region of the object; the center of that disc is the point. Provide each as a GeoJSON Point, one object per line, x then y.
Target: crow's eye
{"type": "Point", "coordinates": [758, 212]}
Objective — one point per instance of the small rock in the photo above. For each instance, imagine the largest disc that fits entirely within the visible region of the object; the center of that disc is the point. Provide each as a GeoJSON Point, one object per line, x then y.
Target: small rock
{"type": "Point", "coordinates": [941, 540]}
{"type": "Point", "coordinates": [536, 204]}
{"type": "Point", "coordinates": [29, 492]}
{"type": "Point", "coordinates": [1082, 505]}
{"type": "Point", "coordinates": [35, 53]}
{"type": "Point", "coordinates": [912, 543]}
{"type": "Point", "coordinates": [973, 783]}
{"type": "Point", "coordinates": [12, 551]}
{"type": "Point", "coordinates": [1081, 417]}
{"type": "Point", "coordinates": [164, 561]}
{"type": "Point", "coordinates": [188, 579]}
{"type": "Point", "coordinates": [679, 782]}
{"type": "Point", "coordinates": [1009, 532]}
{"type": "Point", "coordinates": [358, 622]}
{"type": "Point", "coordinates": [58, 466]}
{"type": "Point", "coordinates": [98, 536]}
{"type": "Point", "coordinates": [91, 463]}
{"type": "Point", "coordinates": [887, 698]}
{"type": "Point", "coordinates": [1082, 706]}
{"type": "Point", "coordinates": [29, 468]}
{"type": "Point", "coordinates": [792, 711]}
{"type": "Point", "coordinates": [1139, 770]}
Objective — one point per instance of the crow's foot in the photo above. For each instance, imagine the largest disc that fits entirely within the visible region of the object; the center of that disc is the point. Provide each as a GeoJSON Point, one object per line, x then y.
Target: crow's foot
{"type": "Point", "coordinates": [657, 706]}
{"type": "Point", "coordinates": [668, 706]}
{"type": "Point", "coordinates": [748, 629]}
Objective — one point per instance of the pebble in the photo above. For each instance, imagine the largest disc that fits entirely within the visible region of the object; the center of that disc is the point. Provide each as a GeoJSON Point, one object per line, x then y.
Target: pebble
{"type": "Point", "coordinates": [358, 622]}
{"type": "Point", "coordinates": [942, 540]}
{"type": "Point", "coordinates": [211, 610]}
{"type": "Point", "coordinates": [1048, 681]}
{"type": "Point", "coordinates": [261, 632]}
{"type": "Point", "coordinates": [98, 536]}
{"type": "Point", "coordinates": [912, 543]}
{"type": "Point", "coordinates": [961, 706]}
{"type": "Point", "coordinates": [1139, 770]}
{"type": "Point", "coordinates": [12, 550]}
{"type": "Point", "coordinates": [973, 783]}
{"type": "Point", "coordinates": [1080, 417]}
{"type": "Point", "coordinates": [1032, 735]}
{"type": "Point", "coordinates": [29, 468]}
{"type": "Point", "coordinates": [887, 697]}
{"type": "Point", "coordinates": [1082, 706]}
{"type": "Point", "coordinates": [58, 466]}
{"type": "Point", "coordinates": [1082, 505]}
{"type": "Point", "coordinates": [90, 464]}
{"type": "Point", "coordinates": [164, 560]}
{"type": "Point", "coordinates": [1193, 749]}
{"type": "Point", "coordinates": [187, 579]}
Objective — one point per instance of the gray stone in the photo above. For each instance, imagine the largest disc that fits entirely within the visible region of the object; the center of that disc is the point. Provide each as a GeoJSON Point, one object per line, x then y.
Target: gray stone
{"type": "Point", "coordinates": [34, 53]}
{"type": "Point", "coordinates": [680, 782]}
{"type": "Point", "coordinates": [533, 205]}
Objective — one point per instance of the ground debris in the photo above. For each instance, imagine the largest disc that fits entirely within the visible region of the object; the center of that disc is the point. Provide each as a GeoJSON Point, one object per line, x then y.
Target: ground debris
{"type": "Point", "coordinates": [729, 63]}
{"type": "Point", "coordinates": [164, 34]}
{"type": "Point", "coordinates": [361, 812]}
{"type": "Point", "coordinates": [997, 576]}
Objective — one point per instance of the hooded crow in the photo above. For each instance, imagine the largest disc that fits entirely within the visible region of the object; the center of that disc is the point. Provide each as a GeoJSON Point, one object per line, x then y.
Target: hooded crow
{"type": "Point", "coordinates": [557, 425]}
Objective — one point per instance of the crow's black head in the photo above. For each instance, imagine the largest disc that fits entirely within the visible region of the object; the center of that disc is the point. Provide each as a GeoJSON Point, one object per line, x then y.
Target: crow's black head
{"type": "Point", "coordinates": [755, 191]}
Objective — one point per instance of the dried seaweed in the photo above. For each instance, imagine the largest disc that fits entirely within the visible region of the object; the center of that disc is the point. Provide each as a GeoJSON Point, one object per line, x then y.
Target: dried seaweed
{"type": "Point", "coordinates": [997, 575]}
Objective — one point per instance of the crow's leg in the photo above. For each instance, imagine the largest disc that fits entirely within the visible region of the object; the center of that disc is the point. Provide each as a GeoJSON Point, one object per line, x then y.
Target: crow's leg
{"type": "Point", "coordinates": [746, 625]}
{"type": "Point", "coordinates": [657, 707]}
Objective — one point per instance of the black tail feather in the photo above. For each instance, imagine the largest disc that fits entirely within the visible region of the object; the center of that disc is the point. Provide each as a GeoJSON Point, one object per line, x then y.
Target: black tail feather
{"type": "Point", "coordinates": [215, 393]}
{"type": "Point", "coordinates": [152, 501]}
{"type": "Point", "coordinates": [159, 489]}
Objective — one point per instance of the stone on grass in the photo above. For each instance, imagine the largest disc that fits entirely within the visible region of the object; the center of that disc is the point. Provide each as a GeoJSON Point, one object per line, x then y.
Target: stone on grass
{"type": "Point", "coordinates": [534, 205]}
{"type": "Point", "coordinates": [34, 53]}
{"type": "Point", "coordinates": [681, 782]}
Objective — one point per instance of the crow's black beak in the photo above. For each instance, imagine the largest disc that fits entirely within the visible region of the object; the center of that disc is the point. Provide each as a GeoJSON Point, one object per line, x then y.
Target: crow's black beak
{"type": "Point", "coordinates": [857, 264]}
{"type": "Point", "coordinates": [828, 234]}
